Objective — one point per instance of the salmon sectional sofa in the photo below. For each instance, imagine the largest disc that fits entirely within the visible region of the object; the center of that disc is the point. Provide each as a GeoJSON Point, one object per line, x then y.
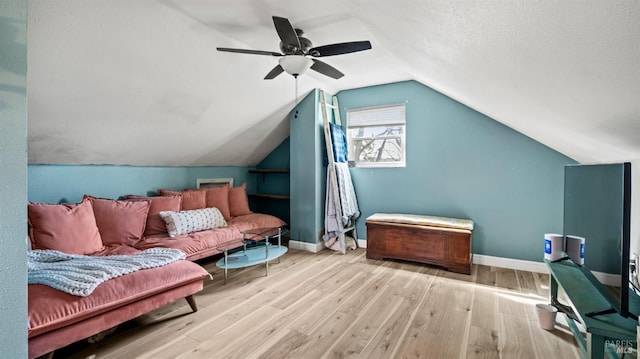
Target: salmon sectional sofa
{"type": "Point", "coordinates": [197, 222]}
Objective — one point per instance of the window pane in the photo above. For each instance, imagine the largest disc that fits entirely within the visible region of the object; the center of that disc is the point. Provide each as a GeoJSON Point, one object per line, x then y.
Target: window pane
{"type": "Point", "coordinates": [379, 144]}
{"type": "Point", "coordinates": [376, 131]}
{"type": "Point", "coordinates": [376, 136]}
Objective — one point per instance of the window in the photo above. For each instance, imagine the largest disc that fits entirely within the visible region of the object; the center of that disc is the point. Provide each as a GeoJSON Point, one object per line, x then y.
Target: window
{"type": "Point", "coordinates": [213, 182]}
{"type": "Point", "coordinates": [376, 136]}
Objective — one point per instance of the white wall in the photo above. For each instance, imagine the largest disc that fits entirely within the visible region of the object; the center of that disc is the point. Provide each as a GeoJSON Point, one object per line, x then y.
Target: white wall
{"type": "Point", "coordinates": [13, 178]}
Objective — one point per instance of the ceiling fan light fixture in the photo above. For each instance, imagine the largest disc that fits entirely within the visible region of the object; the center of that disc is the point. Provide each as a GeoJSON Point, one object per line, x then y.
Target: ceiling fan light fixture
{"type": "Point", "coordinates": [295, 64]}
{"type": "Point", "coordinates": [296, 51]}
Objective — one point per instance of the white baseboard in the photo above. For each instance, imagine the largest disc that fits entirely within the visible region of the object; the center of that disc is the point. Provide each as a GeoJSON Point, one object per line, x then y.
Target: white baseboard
{"type": "Point", "coordinates": [519, 264]}
{"type": "Point", "coordinates": [608, 279]}
{"type": "Point", "coordinates": [537, 267]}
{"type": "Point", "coordinates": [317, 247]}
{"type": "Point", "coordinates": [530, 266]}
{"type": "Point", "coordinates": [306, 246]}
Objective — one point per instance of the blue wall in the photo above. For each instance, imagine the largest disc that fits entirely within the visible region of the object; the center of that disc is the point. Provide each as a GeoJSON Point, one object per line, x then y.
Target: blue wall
{"type": "Point", "coordinates": [274, 183]}
{"type": "Point", "coordinates": [67, 183]}
{"type": "Point", "coordinates": [13, 179]}
{"type": "Point", "coordinates": [461, 163]}
{"type": "Point", "coordinates": [307, 171]}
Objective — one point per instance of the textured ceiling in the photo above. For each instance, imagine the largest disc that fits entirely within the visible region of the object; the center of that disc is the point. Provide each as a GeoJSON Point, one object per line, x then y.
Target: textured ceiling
{"type": "Point", "coordinates": [139, 82]}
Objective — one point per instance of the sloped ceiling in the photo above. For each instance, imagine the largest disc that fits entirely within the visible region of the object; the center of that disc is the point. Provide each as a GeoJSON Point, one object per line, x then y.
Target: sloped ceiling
{"type": "Point", "coordinates": [139, 82]}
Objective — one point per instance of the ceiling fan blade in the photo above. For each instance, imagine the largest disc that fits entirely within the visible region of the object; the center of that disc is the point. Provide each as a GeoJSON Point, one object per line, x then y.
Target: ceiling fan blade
{"type": "Point", "coordinates": [274, 72]}
{"type": "Point", "coordinates": [286, 32]}
{"type": "Point", "coordinates": [326, 69]}
{"type": "Point", "coordinates": [251, 52]}
{"type": "Point", "coordinates": [339, 49]}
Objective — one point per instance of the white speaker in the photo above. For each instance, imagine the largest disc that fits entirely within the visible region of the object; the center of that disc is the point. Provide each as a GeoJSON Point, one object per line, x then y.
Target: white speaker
{"type": "Point", "coordinates": [553, 246]}
{"type": "Point", "coordinates": [575, 248]}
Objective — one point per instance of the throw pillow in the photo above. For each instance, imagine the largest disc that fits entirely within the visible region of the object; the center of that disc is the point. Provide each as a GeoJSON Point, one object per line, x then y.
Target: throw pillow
{"type": "Point", "coordinates": [219, 197]}
{"type": "Point", "coordinates": [68, 228]}
{"type": "Point", "coordinates": [120, 222]}
{"type": "Point", "coordinates": [155, 224]}
{"type": "Point", "coordinates": [191, 199]}
{"type": "Point", "coordinates": [189, 221]}
{"type": "Point", "coordinates": [238, 201]}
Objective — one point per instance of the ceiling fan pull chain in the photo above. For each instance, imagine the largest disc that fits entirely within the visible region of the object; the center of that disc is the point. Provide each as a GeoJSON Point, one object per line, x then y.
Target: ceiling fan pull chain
{"type": "Point", "coordinates": [296, 94]}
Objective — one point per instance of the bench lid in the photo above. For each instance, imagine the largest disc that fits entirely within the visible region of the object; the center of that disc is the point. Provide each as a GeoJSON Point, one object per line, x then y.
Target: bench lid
{"type": "Point", "coordinates": [422, 220]}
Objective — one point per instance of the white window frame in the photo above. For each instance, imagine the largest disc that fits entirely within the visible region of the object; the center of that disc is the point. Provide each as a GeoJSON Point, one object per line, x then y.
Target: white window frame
{"type": "Point", "coordinates": [213, 182]}
{"type": "Point", "coordinates": [378, 116]}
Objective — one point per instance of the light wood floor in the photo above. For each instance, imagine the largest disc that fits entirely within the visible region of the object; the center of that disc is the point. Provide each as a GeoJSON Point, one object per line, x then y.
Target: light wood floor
{"type": "Point", "coordinates": [335, 306]}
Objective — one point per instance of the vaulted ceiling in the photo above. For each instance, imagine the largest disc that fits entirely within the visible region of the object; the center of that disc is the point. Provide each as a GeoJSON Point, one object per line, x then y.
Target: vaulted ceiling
{"type": "Point", "coordinates": [139, 82]}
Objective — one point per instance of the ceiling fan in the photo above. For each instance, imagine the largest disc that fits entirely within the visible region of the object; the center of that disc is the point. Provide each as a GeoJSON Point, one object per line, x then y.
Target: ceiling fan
{"type": "Point", "coordinates": [297, 54]}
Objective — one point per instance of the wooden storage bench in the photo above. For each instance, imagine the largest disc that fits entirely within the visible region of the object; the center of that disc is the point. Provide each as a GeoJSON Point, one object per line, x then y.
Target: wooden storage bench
{"type": "Point", "coordinates": [434, 240]}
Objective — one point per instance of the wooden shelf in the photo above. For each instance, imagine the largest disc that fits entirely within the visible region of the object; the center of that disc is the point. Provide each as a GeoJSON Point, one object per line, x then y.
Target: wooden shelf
{"type": "Point", "coordinates": [264, 172]}
{"type": "Point", "coordinates": [269, 170]}
{"type": "Point", "coordinates": [269, 195]}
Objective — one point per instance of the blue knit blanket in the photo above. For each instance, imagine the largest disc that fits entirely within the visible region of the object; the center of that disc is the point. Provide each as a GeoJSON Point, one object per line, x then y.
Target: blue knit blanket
{"type": "Point", "coordinates": [79, 274]}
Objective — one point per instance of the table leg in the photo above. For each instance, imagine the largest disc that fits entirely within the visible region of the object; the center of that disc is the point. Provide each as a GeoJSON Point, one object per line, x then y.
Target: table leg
{"type": "Point", "coordinates": [279, 236]}
{"type": "Point", "coordinates": [595, 346]}
{"type": "Point", "coordinates": [225, 265]}
{"type": "Point", "coordinates": [553, 287]}
{"type": "Point", "coordinates": [279, 240]}
{"type": "Point", "coordinates": [266, 253]}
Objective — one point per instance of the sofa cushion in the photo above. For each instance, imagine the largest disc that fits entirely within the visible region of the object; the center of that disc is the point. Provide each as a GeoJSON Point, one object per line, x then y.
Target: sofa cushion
{"type": "Point", "coordinates": [238, 201]}
{"type": "Point", "coordinates": [422, 220]}
{"type": "Point", "coordinates": [255, 220]}
{"type": "Point", "coordinates": [219, 197]}
{"type": "Point", "coordinates": [119, 222]}
{"type": "Point", "coordinates": [191, 198]}
{"type": "Point", "coordinates": [68, 228]}
{"type": "Point", "coordinates": [195, 245]}
{"type": "Point", "coordinates": [155, 225]}
{"type": "Point", "coordinates": [50, 309]}
{"type": "Point", "coordinates": [195, 220]}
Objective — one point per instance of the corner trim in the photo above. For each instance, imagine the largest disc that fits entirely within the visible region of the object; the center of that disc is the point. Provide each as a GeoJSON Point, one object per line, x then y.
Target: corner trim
{"type": "Point", "coordinates": [306, 246]}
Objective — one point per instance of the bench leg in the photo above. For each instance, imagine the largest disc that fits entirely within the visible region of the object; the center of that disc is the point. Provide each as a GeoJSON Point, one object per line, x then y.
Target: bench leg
{"type": "Point", "coordinates": [460, 268]}
{"type": "Point", "coordinates": [192, 303]}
